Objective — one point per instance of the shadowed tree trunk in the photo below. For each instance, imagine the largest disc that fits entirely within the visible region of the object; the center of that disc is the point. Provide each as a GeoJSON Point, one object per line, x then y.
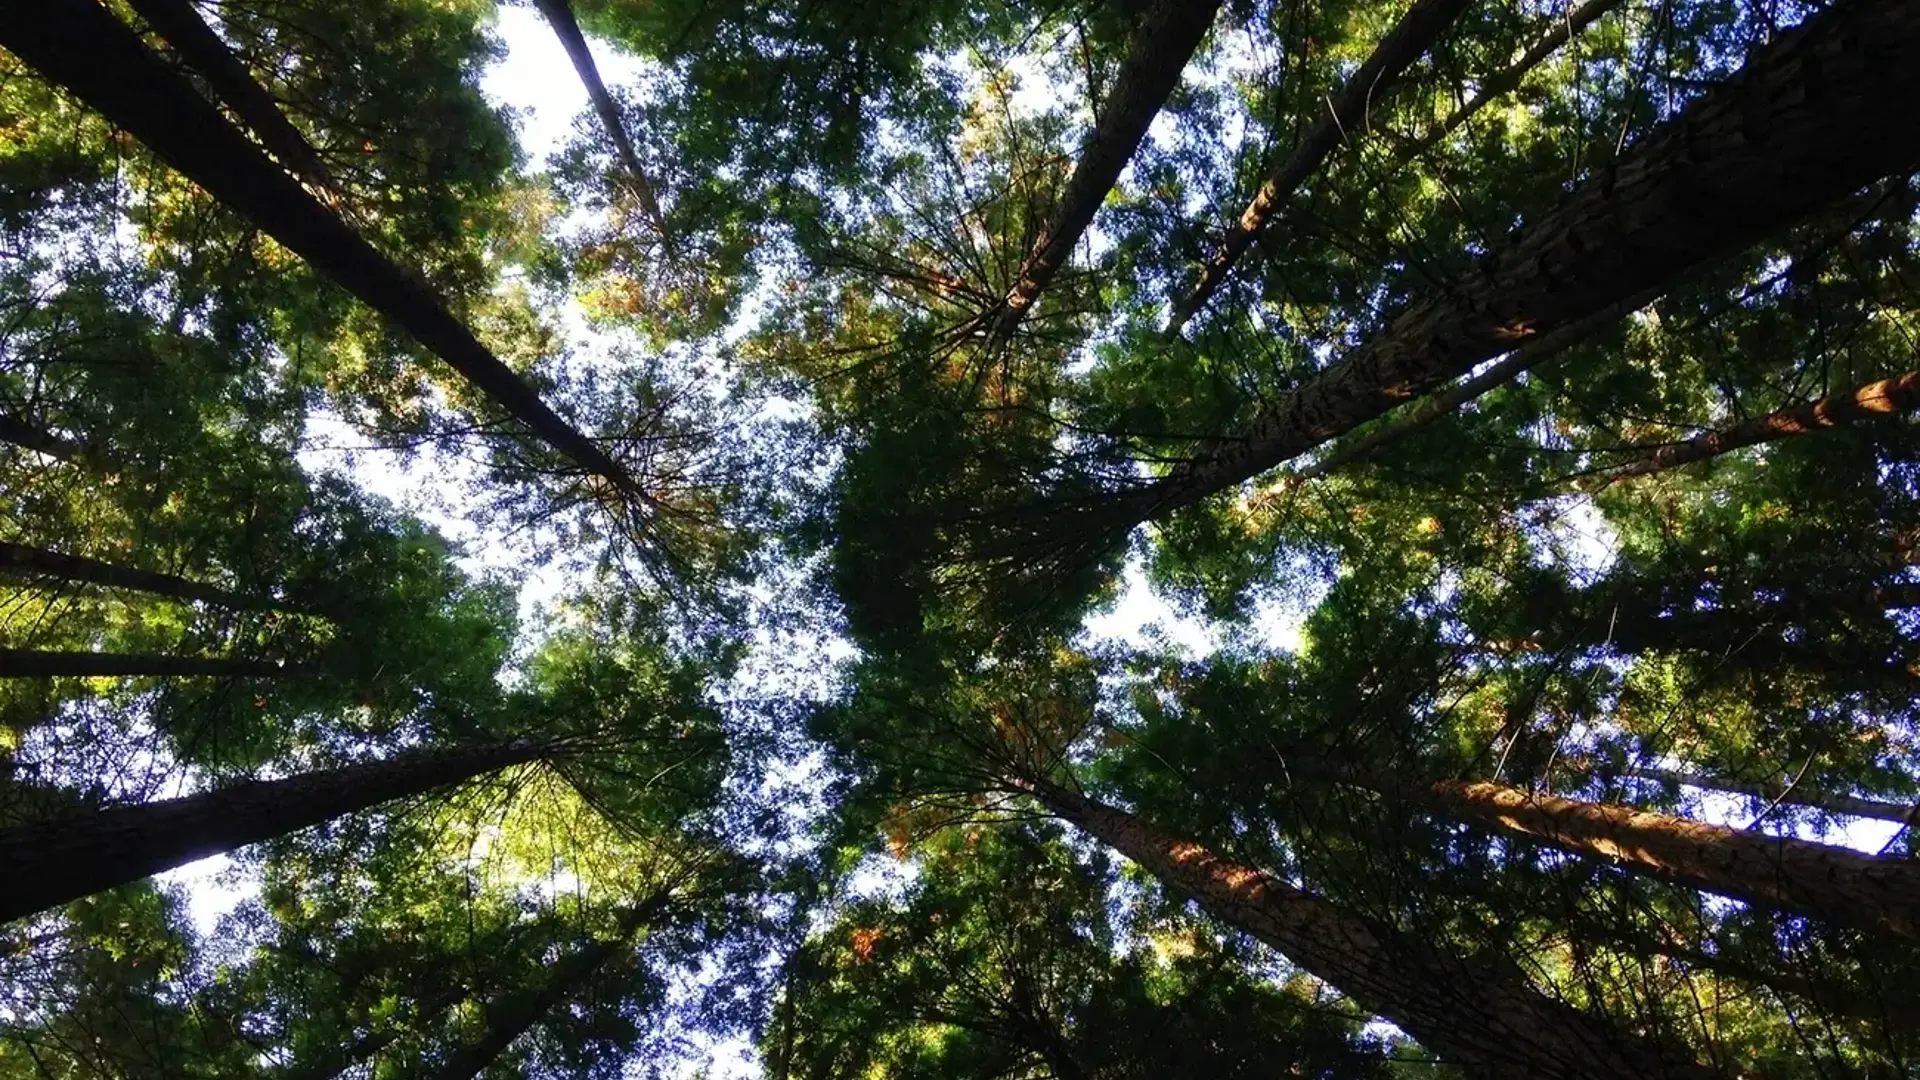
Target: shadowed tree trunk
{"type": "Point", "coordinates": [32, 560]}
{"type": "Point", "coordinates": [47, 863]}
{"type": "Point", "coordinates": [28, 437]}
{"type": "Point", "coordinates": [180, 25]}
{"type": "Point", "coordinates": [559, 15]}
{"type": "Point", "coordinates": [1164, 42]}
{"type": "Point", "coordinates": [1373, 84]}
{"type": "Point", "coordinates": [33, 663]}
{"type": "Point", "coordinates": [79, 45]}
{"type": "Point", "coordinates": [1481, 1016]}
{"type": "Point", "coordinates": [1818, 112]}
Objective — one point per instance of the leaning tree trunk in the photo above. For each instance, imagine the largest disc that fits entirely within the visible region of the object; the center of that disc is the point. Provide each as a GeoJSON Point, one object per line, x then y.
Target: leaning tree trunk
{"type": "Point", "coordinates": [28, 437]}
{"type": "Point", "coordinates": [559, 15]}
{"type": "Point", "coordinates": [1832, 883]}
{"type": "Point", "coordinates": [1819, 111]}
{"type": "Point", "coordinates": [180, 25]}
{"type": "Point", "coordinates": [1898, 813]}
{"type": "Point", "coordinates": [82, 47]}
{"type": "Point", "coordinates": [53, 564]}
{"type": "Point", "coordinates": [1168, 35]}
{"type": "Point", "coordinates": [35, 664]}
{"type": "Point", "coordinates": [1482, 1017]}
{"type": "Point", "coordinates": [517, 1013]}
{"type": "Point", "coordinates": [47, 863]}
{"type": "Point", "coordinates": [1371, 85]}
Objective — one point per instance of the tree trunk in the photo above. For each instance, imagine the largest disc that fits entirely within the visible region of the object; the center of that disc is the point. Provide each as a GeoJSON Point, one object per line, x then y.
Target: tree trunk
{"type": "Point", "coordinates": [1832, 883]}
{"type": "Point", "coordinates": [80, 46]}
{"type": "Point", "coordinates": [1874, 401]}
{"type": "Point", "coordinates": [180, 25]}
{"type": "Point", "coordinates": [1820, 111]}
{"type": "Point", "coordinates": [1372, 84]}
{"type": "Point", "coordinates": [28, 437]}
{"type": "Point", "coordinates": [1161, 47]}
{"type": "Point", "coordinates": [517, 1013]}
{"type": "Point", "coordinates": [36, 664]}
{"type": "Point", "coordinates": [47, 863]}
{"type": "Point", "coordinates": [1899, 813]}
{"type": "Point", "coordinates": [559, 15]}
{"type": "Point", "coordinates": [19, 557]}
{"type": "Point", "coordinates": [1482, 1017]}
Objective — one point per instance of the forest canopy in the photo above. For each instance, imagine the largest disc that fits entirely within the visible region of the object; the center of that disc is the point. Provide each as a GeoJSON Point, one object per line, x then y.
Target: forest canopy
{"type": "Point", "coordinates": [966, 540]}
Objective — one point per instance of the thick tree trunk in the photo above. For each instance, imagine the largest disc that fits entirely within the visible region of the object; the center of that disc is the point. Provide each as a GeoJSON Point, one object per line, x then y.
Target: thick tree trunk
{"type": "Point", "coordinates": [1852, 805]}
{"type": "Point", "coordinates": [1874, 401]}
{"type": "Point", "coordinates": [180, 25]}
{"type": "Point", "coordinates": [1373, 84]}
{"type": "Point", "coordinates": [28, 437]}
{"type": "Point", "coordinates": [44, 864]}
{"type": "Point", "coordinates": [33, 663]}
{"type": "Point", "coordinates": [1821, 110]}
{"type": "Point", "coordinates": [559, 15]}
{"type": "Point", "coordinates": [1481, 1017]}
{"type": "Point", "coordinates": [1833, 883]}
{"type": "Point", "coordinates": [517, 1013]}
{"type": "Point", "coordinates": [1164, 42]}
{"type": "Point", "coordinates": [80, 46]}
{"type": "Point", "coordinates": [32, 560]}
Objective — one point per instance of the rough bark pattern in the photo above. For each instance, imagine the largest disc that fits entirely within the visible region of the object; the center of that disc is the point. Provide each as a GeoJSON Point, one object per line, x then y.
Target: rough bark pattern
{"type": "Point", "coordinates": [1833, 883]}
{"type": "Point", "coordinates": [34, 663]}
{"type": "Point", "coordinates": [559, 15]}
{"type": "Point", "coordinates": [517, 1013]}
{"type": "Point", "coordinates": [1821, 110]}
{"type": "Point", "coordinates": [1373, 84]}
{"type": "Point", "coordinates": [1164, 42]}
{"type": "Point", "coordinates": [32, 560]}
{"type": "Point", "coordinates": [80, 46]}
{"type": "Point", "coordinates": [1483, 1018]}
{"type": "Point", "coordinates": [1874, 401]}
{"type": "Point", "coordinates": [28, 437]}
{"type": "Point", "coordinates": [1899, 813]}
{"type": "Point", "coordinates": [180, 25]}
{"type": "Point", "coordinates": [52, 862]}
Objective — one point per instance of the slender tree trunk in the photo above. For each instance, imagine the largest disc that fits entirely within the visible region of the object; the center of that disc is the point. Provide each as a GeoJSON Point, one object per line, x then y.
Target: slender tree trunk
{"type": "Point", "coordinates": [559, 15]}
{"type": "Point", "coordinates": [1373, 84]}
{"type": "Point", "coordinates": [80, 46]}
{"type": "Point", "coordinates": [1482, 1017]}
{"type": "Point", "coordinates": [1818, 112]}
{"type": "Point", "coordinates": [33, 663]}
{"type": "Point", "coordinates": [47, 863]}
{"type": "Point", "coordinates": [1852, 805]}
{"type": "Point", "coordinates": [517, 1013]}
{"type": "Point", "coordinates": [28, 437]}
{"type": "Point", "coordinates": [180, 25]}
{"type": "Point", "coordinates": [1833, 883]}
{"type": "Point", "coordinates": [1873, 401]}
{"type": "Point", "coordinates": [32, 560]}
{"type": "Point", "coordinates": [1164, 42]}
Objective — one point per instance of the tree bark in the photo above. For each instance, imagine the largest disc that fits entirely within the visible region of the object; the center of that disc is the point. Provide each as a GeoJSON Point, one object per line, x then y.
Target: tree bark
{"type": "Point", "coordinates": [1372, 84]}
{"type": "Point", "coordinates": [517, 1013]}
{"type": "Point", "coordinates": [1851, 805]}
{"type": "Point", "coordinates": [34, 663]}
{"type": "Point", "coordinates": [28, 437]}
{"type": "Point", "coordinates": [47, 863]}
{"type": "Point", "coordinates": [32, 560]}
{"type": "Point", "coordinates": [1833, 883]}
{"type": "Point", "coordinates": [1161, 47]}
{"type": "Point", "coordinates": [1873, 401]}
{"type": "Point", "coordinates": [1819, 111]}
{"type": "Point", "coordinates": [82, 47]}
{"type": "Point", "coordinates": [559, 15]}
{"type": "Point", "coordinates": [180, 25]}
{"type": "Point", "coordinates": [1481, 1016]}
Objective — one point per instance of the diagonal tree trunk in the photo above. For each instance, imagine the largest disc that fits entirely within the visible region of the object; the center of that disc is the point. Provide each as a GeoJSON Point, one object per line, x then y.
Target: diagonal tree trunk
{"type": "Point", "coordinates": [1819, 111]}
{"type": "Point", "coordinates": [20, 433]}
{"type": "Point", "coordinates": [1851, 805]}
{"type": "Point", "coordinates": [80, 46]}
{"type": "Point", "coordinates": [180, 25]}
{"type": "Point", "coordinates": [559, 15]}
{"type": "Point", "coordinates": [1833, 883]}
{"type": "Point", "coordinates": [47, 863]}
{"type": "Point", "coordinates": [32, 560]}
{"type": "Point", "coordinates": [1372, 84]}
{"type": "Point", "coordinates": [1164, 42]}
{"type": "Point", "coordinates": [33, 663]}
{"type": "Point", "coordinates": [515, 1014]}
{"type": "Point", "coordinates": [1878, 400]}
{"type": "Point", "coordinates": [1481, 1017]}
